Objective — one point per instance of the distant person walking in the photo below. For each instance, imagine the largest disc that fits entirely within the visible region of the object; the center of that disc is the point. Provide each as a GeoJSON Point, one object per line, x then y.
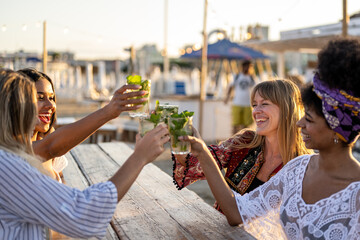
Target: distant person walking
{"type": "Point", "coordinates": [241, 108]}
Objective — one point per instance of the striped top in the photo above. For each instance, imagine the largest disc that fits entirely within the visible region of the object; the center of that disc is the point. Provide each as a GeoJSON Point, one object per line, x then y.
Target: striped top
{"type": "Point", "coordinates": [30, 202]}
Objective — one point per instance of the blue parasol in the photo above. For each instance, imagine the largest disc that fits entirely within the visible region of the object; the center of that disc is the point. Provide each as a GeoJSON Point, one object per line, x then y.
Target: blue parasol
{"type": "Point", "coordinates": [225, 49]}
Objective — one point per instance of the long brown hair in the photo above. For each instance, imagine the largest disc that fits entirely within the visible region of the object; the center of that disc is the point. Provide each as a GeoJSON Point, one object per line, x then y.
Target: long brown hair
{"type": "Point", "coordinates": [18, 115]}
{"type": "Point", "coordinates": [286, 95]}
{"type": "Point", "coordinates": [35, 75]}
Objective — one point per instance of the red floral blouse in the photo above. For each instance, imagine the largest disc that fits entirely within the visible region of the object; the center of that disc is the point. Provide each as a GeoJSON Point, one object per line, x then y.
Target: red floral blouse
{"type": "Point", "coordinates": [241, 167]}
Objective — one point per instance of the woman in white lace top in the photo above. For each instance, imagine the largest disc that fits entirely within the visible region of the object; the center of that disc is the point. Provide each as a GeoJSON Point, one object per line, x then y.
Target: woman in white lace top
{"type": "Point", "coordinates": [313, 196]}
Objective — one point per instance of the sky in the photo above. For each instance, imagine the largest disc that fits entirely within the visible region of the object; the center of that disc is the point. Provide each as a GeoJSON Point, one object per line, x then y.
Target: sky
{"type": "Point", "coordinates": [103, 29]}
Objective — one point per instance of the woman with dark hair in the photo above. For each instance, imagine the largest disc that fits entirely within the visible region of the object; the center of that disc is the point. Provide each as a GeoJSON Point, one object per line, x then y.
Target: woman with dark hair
{"type": "Point", "coordinates": [31, 202]}
{"type": "Point", "coordinates": [313, 196]}
{"type": "Point", "coordinates": [52, 145]}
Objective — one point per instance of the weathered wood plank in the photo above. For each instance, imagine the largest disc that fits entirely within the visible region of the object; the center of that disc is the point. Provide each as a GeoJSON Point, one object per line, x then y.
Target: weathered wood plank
{"type": "Point", "coordinates": [194, 218]}
{"type": "Point", "coordinates": [136, 220]}
{"type": "Point", "coordinates": [72, 174]}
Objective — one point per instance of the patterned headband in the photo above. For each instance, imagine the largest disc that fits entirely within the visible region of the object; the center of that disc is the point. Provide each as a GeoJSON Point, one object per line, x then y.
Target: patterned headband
{"type": "Point", "coordinates": [341, 110]}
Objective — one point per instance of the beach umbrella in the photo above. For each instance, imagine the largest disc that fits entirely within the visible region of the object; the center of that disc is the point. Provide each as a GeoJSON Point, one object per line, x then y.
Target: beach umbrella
{"type": "Point", "coordinates": [226, 49]}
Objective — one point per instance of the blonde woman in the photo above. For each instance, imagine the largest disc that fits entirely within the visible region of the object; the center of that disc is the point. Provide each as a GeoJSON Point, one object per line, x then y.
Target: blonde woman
{"type": "Point", "coordinates": [31, 202]}
{"type": "Point", "coordinates": [253, 157]}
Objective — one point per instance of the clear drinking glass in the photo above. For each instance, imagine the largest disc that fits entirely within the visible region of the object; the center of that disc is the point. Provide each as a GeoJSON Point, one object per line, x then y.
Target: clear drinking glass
{"type": "Point", "coordinates": [146, 124]}
{"type": "Point", "coordinates": [179, 126]}
{"type": "Point", "coordinates": [166, 110]}
{"type": "Point", "coordinates": [144, 110]}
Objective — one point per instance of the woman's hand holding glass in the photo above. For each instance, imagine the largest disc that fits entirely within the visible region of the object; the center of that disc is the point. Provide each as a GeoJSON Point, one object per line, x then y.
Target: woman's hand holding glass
{"type": "Point", "coordinates": [149, 147]}
{"type": "Point", "coordinates": [125, 100]}
{"type": "Point", "coordinates": [198, 146]}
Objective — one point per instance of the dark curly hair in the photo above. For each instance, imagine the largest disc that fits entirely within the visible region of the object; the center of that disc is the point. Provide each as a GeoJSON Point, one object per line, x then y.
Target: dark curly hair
{"type": "Point", "coordinates": [339, 65]}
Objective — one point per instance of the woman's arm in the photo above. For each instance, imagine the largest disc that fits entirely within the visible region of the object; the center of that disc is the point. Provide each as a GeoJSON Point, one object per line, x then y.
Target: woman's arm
{"type": "Point", "coordinates": [221, 191]}
{"type": "Point", "coordinates": [65, 138]}
{"type": "Point", "coordinates": [37, 199]}
{"type": "Point", "coordinates": [187, 170]}
{"type": "Point", "coordinates": [146, 151]}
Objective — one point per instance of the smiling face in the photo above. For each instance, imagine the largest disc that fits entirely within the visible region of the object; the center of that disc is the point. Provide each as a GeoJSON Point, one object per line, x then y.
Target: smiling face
{"type": "Point", "coordinates": [46, 105]}
{"type": "Point", "coordinates": [266, 115]}
{"type": "Point", "coordinates": [315, 132]}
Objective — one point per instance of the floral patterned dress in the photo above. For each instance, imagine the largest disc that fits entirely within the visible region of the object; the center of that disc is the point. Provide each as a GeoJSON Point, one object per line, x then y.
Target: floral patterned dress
{"type": "Point", "coordinates": [276, 210]}
{"type": "Point", "coordinates": [241, 166]}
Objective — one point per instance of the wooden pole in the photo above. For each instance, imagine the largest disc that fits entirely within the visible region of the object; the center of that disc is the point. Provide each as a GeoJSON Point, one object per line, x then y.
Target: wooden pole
{"type": "Point", "coordinates": [203, 69]}
{"type": "Point", "coordinates": [268, 68]}
{"type": "Point", "coordinates": [260, 67]}
{"type": "Point", "coordinates": [345, 20]}
{"type": "Point", "coordinates": [166, 57]}
{"type": "Point", "coordinates": [132, 60]}
{"type": "Point", "coordinates": [227, 69]}
{"type": "Point", "coordinates": [234, 67]}
{"type": "Point", "coordinates": [44, 49]}
{"type": "Point", "coordinates": [280, 65]}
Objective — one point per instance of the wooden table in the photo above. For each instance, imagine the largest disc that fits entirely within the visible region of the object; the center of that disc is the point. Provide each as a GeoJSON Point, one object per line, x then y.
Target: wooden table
{"type": "Point", "coordinates": [153, 208]}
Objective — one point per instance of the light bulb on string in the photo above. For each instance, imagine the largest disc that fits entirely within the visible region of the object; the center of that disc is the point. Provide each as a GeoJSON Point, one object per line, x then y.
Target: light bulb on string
{"type": "Point", "coordinates": [24, 27]}
{"type": "Point", "coordinates": [38, 24]}
{"type": "Point", "coordinates": [3, 28]}
{"type": "Point", "coordinates": [100, 39]}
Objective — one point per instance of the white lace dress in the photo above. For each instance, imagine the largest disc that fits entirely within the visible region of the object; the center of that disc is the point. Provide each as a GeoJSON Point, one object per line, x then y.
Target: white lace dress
{"type": "Point", "coordinates": [276, 209]}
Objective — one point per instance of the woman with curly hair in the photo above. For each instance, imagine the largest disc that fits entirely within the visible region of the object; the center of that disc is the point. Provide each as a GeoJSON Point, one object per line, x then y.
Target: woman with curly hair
{"type": "Point", "coordinates": [314, 196]}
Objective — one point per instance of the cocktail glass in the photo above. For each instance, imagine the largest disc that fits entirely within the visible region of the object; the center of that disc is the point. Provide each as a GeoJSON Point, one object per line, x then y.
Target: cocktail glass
{"type": "Point", "coordinates": [166, 110]}
{"type": "Point", "coordinates": [179, 126]}
{"type": "Point", "coordinates": [145, 125]}
{"type": "Point", "coordinates": [144, 110]}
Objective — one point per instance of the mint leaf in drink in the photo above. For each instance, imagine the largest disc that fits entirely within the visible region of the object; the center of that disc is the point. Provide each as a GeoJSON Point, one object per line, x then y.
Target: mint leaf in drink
{"type": "Point", "coordinates": [145, 85]}
{"type": "Point", "coordinates": [188, 114]}
{"type": "Point", "coordinates": [178, 125]}
{"type": "Point", "coordinates": [133, 79]}
{"type": "Point", "coordinates": [154, 118]}
{"type": "Point", "coordinates": [157, 104]}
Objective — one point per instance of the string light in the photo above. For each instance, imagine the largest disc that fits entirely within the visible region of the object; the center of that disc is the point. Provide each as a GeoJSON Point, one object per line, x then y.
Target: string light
{"type": "Point", "coordinates": [3, 28]}
{"type": "Point", "coordinates": [196, 47]}
{"type": "Point", "coordinates": [24, 27]}
{"type": "Point", "coordinates": [182, 51]}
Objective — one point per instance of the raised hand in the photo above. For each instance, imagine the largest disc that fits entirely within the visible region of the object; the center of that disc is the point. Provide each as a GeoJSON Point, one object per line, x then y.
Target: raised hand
{"type": "Point", "coordinates": [125, 101]}
{"type": "Point", "coordinates": [151, 145]}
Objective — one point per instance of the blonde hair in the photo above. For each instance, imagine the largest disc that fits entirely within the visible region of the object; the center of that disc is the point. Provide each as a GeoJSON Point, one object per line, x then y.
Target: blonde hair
{"type": "Point", "coordinates": [18, 116]}
{"type": "Point", "coordinates": [286, 95]}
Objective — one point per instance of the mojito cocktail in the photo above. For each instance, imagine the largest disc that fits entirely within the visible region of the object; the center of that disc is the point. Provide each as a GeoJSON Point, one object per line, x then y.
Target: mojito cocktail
{"type": "Point", "coordinates": [146, 86]}
{"type": "Point", "coordinates": [148, 123]}
{"type": "Point", "coordinates": [166, 110]}
{"type": "Point", "coordinates": [180, 125]}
